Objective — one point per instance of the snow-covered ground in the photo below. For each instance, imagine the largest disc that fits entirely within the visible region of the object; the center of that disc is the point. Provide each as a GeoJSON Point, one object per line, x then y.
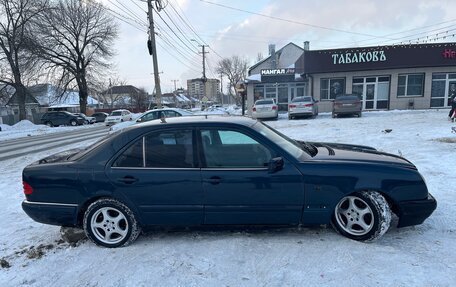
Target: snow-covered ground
{"type": "Point", "coordinates": [423, 255]}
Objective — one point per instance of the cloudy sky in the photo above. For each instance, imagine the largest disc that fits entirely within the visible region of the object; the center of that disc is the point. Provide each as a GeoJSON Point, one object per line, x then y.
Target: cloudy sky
{"type": "Point", "coordinates": [235, 31]}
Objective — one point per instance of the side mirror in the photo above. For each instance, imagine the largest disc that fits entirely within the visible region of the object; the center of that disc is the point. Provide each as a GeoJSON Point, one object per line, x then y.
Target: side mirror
{"type": "Point", "coordinates": [275, 164]}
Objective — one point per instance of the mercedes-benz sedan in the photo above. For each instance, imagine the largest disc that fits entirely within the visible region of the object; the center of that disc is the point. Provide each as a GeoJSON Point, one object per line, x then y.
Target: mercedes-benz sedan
{"type": "Point", "coordinates": [210, 170]}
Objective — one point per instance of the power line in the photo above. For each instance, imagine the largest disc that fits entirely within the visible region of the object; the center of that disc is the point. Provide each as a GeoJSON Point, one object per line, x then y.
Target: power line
{"type": "Point", "coordinates": [178, 28]}
{"type": "Point", "coordinates": [290, 21]}
{"type": "Point", "coordinates": [189, 25]}
{"type": "Point", "coordinates": [169, 27]}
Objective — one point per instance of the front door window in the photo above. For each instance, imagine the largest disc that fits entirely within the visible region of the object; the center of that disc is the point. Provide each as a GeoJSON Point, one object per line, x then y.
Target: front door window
{"type": "Point", "coordinates": [374, 92]}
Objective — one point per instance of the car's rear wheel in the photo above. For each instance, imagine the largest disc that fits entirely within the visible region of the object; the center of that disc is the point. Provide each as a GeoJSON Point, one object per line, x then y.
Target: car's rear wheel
{"type": "Point", "coordinates": [110, 223]}
{"type": "Point", "coordinates": [73, 123]}
{"type": "Point", "coordinates": [49, 124]}
{"type": "Point", "coordinates": [362, 216]}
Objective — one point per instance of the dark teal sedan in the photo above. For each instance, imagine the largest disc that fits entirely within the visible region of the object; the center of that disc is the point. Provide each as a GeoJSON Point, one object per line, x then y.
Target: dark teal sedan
{"type": "Point", "coordinates": [212, 170]}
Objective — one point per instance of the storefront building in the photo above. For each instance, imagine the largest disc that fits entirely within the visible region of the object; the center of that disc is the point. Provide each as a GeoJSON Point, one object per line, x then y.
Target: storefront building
{"type": "Point", "coordinates": [417, 76]}
{"type": "Point", "coordinates": [275, 77]}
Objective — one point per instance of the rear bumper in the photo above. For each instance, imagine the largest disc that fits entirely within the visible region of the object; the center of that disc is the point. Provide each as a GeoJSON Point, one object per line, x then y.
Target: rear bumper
{"type": "Point", "coordinates": [51, 213]}
{"type": "Point", "coordinates": [265, 115]}
{"type": "Point", "coordinates": [415, 212]}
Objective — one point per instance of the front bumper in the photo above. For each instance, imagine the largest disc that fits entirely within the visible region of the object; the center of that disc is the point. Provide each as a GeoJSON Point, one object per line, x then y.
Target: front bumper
{"type": "Point", "coordinates": [51, 213]}
{"type": "Point", "coordinates": [415, 212]}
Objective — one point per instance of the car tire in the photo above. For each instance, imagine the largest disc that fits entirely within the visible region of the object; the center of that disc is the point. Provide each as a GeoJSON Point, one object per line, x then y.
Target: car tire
{"type": "Point", "coordinates": [73, 123]}
{"type": "Point", "coordinates": [334, 115]}
{"type": "Point", "coordinates": [103, 217]}
{"type": "Point", "coordinates": [362, 216]}
{"type": "Point", "coordinates": [359, 114]}
{"type": "Point", "coordinates": [49, 124]}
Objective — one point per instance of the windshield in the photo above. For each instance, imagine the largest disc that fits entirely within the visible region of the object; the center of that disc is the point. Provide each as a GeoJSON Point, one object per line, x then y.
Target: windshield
{"type": "Point", "coordinates": [116, 113]}
{"type": "Point", "coordinates": [264, 102]}
{"type": "Point", "coordinates": [289, 145]}
{"type": "Point", "coordinates": [301, 99]}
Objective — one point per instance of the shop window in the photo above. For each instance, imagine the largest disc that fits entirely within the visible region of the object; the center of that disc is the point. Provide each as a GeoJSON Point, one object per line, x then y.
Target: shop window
{"type": "Point", "coordinates": [330, 88]}
{"type": "Point", "coordinates": [410, 85]}
{"type": "Point", "coordinates": [258, 92]}
{"type": "Point", "coordinates": [439, 76]}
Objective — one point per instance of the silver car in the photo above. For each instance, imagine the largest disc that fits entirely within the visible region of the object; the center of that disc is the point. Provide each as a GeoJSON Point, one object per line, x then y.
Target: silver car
{"type": "Point", "coordinates": [265, 109]}
{"type": "Point", "coordinates": [302, 106]}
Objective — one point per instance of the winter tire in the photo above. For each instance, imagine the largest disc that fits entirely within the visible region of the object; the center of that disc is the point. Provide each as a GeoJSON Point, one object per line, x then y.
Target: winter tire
{"type": "Point", "coordinates": [334, 116]}
{"type": "Point", "coordinates": [362, 216]}
{"type": "Point", "coordinates": [73, 123]}
{"type": "Point", "coordinates": [49, 124]}
{"type": "Point", "coordinates": [110, 223]}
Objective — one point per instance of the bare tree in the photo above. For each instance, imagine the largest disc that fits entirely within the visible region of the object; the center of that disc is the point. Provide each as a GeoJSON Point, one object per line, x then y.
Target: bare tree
{"type": "Point", "coordinates": [139, 100]}
{"type": "Point", "coordinates": [16, 61]}
{"type": "Point", "coordinates": [103, 89]}
{"type": "Point", "coordinates": [235, 70]}
{"type": "Point", "coordinates": [75, 41]}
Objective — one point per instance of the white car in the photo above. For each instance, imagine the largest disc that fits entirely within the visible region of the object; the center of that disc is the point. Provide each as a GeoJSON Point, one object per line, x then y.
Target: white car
{"type": "Point", "coordinates": [302, 106]}
{"type": "Point", "coordinates": [118, 116]}
{"type": "Point", "coordinates": [265, 109]}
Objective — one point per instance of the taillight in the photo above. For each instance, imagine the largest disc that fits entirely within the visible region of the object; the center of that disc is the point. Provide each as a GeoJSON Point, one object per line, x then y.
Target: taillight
{"type": "Point", "coordinates": [308, 105]}
{"type": "Point", "coordinates": [274, 107]}
{"type": "Point", "coordinates": [292, 106]}
{"type": "Point", "coordinates": [254, 109]}
{"type": "Point", "coordinates": [27, 188]}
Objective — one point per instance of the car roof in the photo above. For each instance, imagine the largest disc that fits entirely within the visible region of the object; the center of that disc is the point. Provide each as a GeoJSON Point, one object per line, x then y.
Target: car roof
{"type": "Point", "coordinates": [213, 119]}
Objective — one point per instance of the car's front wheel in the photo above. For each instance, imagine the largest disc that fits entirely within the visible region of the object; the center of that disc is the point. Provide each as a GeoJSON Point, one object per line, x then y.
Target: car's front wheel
{"type": "Point", "coordinates": [110, 223]}
{"type": "Point", "coordinates": [362, 216]}
{"type": "Point", "coordinates": [73, 123]}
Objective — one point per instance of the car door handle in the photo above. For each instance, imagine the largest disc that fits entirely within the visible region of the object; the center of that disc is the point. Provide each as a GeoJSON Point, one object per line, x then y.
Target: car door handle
{"type": "Point", "coordinates": [214, 180]}
{"type": "Point", "coordinates": [128, 179]}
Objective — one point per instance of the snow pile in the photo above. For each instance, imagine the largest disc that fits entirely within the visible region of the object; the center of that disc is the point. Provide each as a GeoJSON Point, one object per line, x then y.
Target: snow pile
{"type": "Point", "coordinates": [24, 125]}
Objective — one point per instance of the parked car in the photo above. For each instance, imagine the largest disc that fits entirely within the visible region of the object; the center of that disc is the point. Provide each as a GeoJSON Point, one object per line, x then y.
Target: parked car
{"type": "Point", "coordinates": [209, 170]}
{"type": "Point", "coordinates": [302, 106]}
{"type": "Point", "coordinates": [347, 105]}
{"type": "Point", "coordinates": [53, 119]}
{"type": "Point", "coordinates": [165, 113]}
{"type": "Point", "coordinates": [100, 116]}
{"type": "Point", "coordinates": [118, 116]}
{"type": "Point", "coordinates": [265, 109]}
{"type": "Point", "coordinates": [87, 119]}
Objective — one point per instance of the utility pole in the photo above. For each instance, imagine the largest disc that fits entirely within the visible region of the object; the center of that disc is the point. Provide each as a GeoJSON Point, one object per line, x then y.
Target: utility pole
{"type": "Point", "coordinates": [175, 81]}
{"type": "Point", "coordinates": [154, 53]}
{"type": "Point", "coordinates": [204, 68]}
{"type": "Point", "coordinates": [221, 87]}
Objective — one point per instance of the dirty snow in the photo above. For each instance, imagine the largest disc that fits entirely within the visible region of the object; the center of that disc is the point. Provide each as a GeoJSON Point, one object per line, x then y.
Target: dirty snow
{"type": "Point", "coordinates": [423, 255]}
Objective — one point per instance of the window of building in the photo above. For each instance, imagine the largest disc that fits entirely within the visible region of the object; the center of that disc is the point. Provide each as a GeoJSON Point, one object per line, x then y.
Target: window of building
{"type": "Point", "coordinates": [331, 88]}
{"type": "Point", "coordinates": [410, 85]}
{"type": "Point", "coordinates": [258, 92]}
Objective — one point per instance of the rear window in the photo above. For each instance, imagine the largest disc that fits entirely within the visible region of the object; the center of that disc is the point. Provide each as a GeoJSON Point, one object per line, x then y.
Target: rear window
{"type": "Point", "coordinates": [264, 102]}
{"type": "Point", "coordinates": [347, 98]}
{"type": "Point", "coordinates": [116, 113]}
{"type": "Point", "coordinates": [301, 99]}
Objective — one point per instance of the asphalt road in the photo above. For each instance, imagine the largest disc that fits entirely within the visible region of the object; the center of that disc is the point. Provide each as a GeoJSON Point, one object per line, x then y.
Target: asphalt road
{"type": "Point", "coordinates": [34, 144]}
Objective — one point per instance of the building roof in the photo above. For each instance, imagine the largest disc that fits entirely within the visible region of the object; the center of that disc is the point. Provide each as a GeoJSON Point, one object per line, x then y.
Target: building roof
{"type": "Point", "coordinates": [277, 52]}
{"type": "Point", "coordinates": [125, 89]}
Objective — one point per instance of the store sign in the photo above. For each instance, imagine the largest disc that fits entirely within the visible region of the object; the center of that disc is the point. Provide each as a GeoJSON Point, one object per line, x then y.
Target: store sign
{"type": "Point", "coordinates": [277, 75]}
{"type": "Point", "coordinates": [358, 57]}
{"type": "Point", "coordinates": [449, 54]}
{"type": "Point", "coordinates": [275, 72]}
{"type": "Point", "coordinates": [377, 58]}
